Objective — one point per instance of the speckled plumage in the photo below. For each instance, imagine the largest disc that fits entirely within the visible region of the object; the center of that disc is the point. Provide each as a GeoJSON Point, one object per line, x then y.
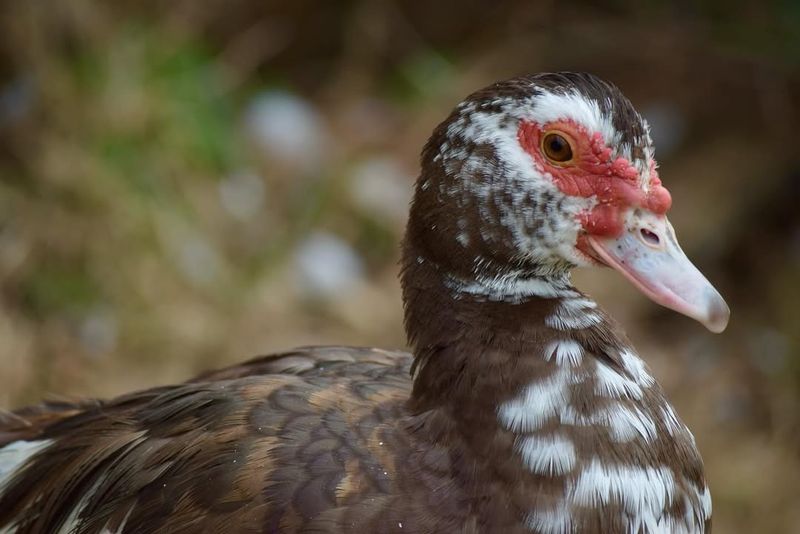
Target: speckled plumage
{"type": "Point", "coordinates": [529, 410]}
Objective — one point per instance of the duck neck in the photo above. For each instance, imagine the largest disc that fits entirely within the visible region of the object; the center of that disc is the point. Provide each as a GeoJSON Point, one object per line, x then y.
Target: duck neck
{"type": "Point", "coordinates": [477, 341]}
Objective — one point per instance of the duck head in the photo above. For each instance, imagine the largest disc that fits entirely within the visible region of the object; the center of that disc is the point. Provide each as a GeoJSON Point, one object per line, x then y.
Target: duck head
{"type": "Point", "coordinates": [531, 177]}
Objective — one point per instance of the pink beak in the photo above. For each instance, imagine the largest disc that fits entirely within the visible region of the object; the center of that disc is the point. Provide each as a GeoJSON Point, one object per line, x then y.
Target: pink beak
{"type": "Point", "coordinates": [648, 255]}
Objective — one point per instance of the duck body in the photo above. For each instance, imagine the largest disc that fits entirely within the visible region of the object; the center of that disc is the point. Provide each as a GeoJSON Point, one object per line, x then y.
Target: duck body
{"type": "Point", "coordinates": [522, 407]}
{"type": "Point", "coordinates": [324, 440]}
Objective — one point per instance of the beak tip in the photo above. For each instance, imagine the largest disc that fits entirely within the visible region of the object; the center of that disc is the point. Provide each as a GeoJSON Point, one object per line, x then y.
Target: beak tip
{"type": "Point", "coordinates": [717, 316]}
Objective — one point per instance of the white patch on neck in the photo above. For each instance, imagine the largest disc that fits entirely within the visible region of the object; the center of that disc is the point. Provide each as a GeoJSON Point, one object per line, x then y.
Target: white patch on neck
{"type": "Point", "coordinates": [577, 305]}
{"type": "Point", "coordinates": [511, 287]}
{"type": "Point", "coordinates": [15, 455]}
{"type": "Point", "coordinates": [565, 352]}
{"type": "Point", "coordinates": [609, 383]}
{"type": "Point", "coordinates": [547, 455]}
{"type": "Point", "coordinates": [644, 492]}
{"type": "Point", "coordinates": [574, 314]}
{"type": "Point", "coordinates": [562, 322]}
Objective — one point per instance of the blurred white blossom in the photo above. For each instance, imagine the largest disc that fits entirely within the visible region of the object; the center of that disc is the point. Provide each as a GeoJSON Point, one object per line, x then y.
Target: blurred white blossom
{"type": "Point", "coordinates": [288, 129]}
{"type": "Point", "coordinates": [197, 258]}
{"type": "Point", "coordinates": [327, 266]}
{"type": "Point", "coordinates": [382, 186]}
{"type": "Point", "coordinates": [98, 331]}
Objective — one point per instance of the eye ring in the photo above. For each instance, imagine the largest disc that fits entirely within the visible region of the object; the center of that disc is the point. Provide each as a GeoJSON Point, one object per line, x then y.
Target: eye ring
{"type": "Point", "coordinates": [557, 148]}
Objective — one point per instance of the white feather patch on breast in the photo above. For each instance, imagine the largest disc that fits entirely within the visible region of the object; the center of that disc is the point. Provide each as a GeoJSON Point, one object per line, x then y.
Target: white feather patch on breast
{"type": "Point", "coordinates": [553, 521]}
{"type": "Point", "coordinates": [644, 492]}
{"type": "Point", "coordinates": [565, 352]}
{"type": "Point", "coordinates": [538, 403]}
{"type": "Point", "coordinates": [609, 383]}
{"type": "Point", "coordinates": [647, 494]}
{"type": "Point", "coordinates": [573, 314]}
{"type": "Point", "coordinates": [624, 424]}
{"type": "Point", "coordinates": [572, 322]}
{"type": "Point", "coordinates": [637, 368]}
{"type": "Point", "coordinates": [547, 455]}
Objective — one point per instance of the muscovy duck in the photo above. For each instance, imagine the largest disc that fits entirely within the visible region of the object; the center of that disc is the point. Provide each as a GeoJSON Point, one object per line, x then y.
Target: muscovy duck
{"type": "Point", "coordinates": [521, 408]}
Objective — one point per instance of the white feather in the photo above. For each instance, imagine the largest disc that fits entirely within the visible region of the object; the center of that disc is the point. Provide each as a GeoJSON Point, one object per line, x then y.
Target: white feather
{"type": "Point", "coordinates": [14, 456]}
{"type": "Point", "coordinates": [539, 402]}
{"type": "Point", "coordinates": [549, 107]}
{"type": "Point", "coordinates": [565, 352]}
{"type": "Point", "coordinates": [624, 424]}
{"type": "Point", "coordinates": [610, 383]}
{"type": "Point", "coordinates": [512, 286]}
{"type": "Point", "coordinates": [644, 492]}
{"type": "Point", "coordinates": [547, 455]}
{"type": "Point", "coordinates": [560, 321]}
{"type": "Point", "coordinates": [628, 423]}
{"type": "Point", "coordinates": [671, 421]}
{"type": "Point", "coordinates": [551, 521]}
{"type": "Point", "coordinates": [705, 501]}
{"type": "Point", "coordinates": [637, 368]}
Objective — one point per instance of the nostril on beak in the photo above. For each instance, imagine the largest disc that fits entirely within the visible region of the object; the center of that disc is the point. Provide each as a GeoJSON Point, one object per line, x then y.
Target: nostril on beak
{"type": "Point", "coordinates": [649, 237]}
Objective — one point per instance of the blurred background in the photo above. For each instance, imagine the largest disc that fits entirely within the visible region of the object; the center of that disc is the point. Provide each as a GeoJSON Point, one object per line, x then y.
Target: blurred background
{"type": "Point", "coordinates": [186, 184]}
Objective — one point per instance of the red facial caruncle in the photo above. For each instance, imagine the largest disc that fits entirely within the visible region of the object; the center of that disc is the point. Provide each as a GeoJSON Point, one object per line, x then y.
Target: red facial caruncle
{"type": "Point", "coordinates": [627, 229]}
{"type": "Point", "coordinates": [593, 171]}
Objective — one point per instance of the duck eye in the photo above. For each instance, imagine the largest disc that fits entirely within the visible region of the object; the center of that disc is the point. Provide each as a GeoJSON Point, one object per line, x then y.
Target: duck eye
{"type": "Point", "coordinates": [557, 148]}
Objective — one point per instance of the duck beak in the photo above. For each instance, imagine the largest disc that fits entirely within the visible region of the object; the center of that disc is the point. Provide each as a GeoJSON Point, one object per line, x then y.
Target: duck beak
{"type": "Point", "coordinates": [647, 253]}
